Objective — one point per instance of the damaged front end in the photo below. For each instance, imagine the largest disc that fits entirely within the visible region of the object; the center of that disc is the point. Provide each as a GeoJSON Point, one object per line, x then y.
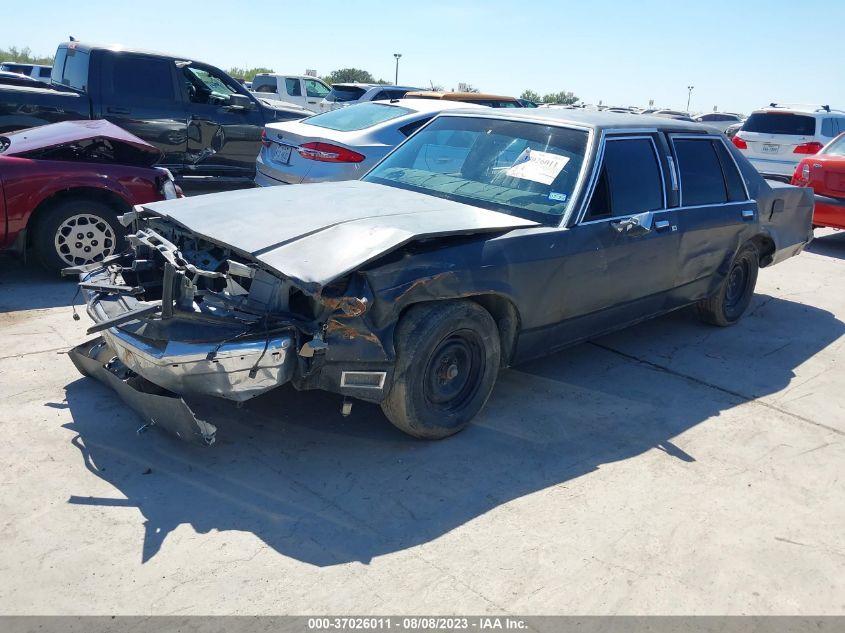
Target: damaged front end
{"type": "Point", "coordinates": [180, 316]}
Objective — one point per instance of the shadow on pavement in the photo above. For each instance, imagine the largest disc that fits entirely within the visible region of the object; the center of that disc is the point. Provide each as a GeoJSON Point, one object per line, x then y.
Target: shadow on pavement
{"type": "Point", "coordinates": [325, 489]}
{"type": "Point", "coordinates": [830, 245]}
{"type": "Point", "coordinates": [28, 286]}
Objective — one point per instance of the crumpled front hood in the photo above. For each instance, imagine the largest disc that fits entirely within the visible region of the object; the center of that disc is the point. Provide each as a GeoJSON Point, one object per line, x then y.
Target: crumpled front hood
{"type": "Point", "coordinates": [316, 233]}
{"type": "Point", "coordinates": [129, 149]}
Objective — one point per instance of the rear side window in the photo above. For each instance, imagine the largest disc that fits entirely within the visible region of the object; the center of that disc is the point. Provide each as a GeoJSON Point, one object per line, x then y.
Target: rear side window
{"type": "Point", "coordinates": [702, 181]}
{"type": "Point", "coordinates": [70, 68]}
{"type": "Point", "coordinates": [357, 117]}
{"type": "Point", "coordinates": [265, 84]}
{"type": "Point", "coordinates": [733, 179]}
{"type": "Point", "coordinates": [345, 93]}
{"type": "Point", "coordinates": [410, 128]}
{"type": "Point", "coordinates": [293, 88]}
{"type": "Point", "coordinates": [134, 79]}
{"type": "Point", "coordinates": [780, 123]}
{"type": "Point", "coordinates": [629, 181]}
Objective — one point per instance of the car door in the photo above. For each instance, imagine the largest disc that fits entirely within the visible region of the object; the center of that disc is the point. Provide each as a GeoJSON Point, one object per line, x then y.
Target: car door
{"type": "Point", "coordinates": [715, 214]}
{"type": "Point", "coordinates": [621, 252]}
{"type": "Point", "coordinates": [315, 91]}
{"type": "Point", "coordinates": [140, 94]}
{"type": "Point", "coordinates": [223, 140]}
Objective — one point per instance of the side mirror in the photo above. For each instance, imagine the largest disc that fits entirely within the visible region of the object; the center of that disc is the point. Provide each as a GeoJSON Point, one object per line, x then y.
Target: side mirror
{"type": "Point", "coordinates": [239, 102]}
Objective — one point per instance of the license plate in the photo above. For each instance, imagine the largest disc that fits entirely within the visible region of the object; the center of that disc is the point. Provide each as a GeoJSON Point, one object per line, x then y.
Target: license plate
{"type": "Point", "coordinates": [770, 148]}
{"type": "Point", "coordinates": [281, 153]}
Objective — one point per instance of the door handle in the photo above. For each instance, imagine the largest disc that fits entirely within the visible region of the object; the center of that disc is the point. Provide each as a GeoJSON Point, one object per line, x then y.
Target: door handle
{"type": "Point", "coordinates": [748, 214]}
{"type": "Point", "coordinates": [631, 226]}
{"type": "Point", "coordinates": [661, 225]}
{"type": "Point", "coordinates": [117, 110]}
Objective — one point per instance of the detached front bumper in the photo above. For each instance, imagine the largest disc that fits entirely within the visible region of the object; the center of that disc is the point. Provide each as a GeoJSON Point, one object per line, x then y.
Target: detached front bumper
{"type": "Point", "coordinates": [157, 406]}
{"type": "Point", "coordinates": [235, 371]}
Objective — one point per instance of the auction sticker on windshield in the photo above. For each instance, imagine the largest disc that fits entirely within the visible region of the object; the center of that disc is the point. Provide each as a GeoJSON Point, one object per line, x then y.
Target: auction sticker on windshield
{"type": "Point", "coordinates": [541, 167]}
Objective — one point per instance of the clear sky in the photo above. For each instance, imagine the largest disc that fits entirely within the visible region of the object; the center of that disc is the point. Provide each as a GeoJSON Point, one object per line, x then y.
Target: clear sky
{"type": "Point", "coordinates": [738, 54]}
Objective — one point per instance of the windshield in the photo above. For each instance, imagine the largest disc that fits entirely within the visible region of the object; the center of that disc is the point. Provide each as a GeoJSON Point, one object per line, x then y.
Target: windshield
{"type": "Point", "coordinates": [524, 169]}
{"type": "Point", "coordinates": [780, 123]}
{"type": "Point", "coordinates": [836, 147]}
{"type": "Point", "coordinates": [357, 117]}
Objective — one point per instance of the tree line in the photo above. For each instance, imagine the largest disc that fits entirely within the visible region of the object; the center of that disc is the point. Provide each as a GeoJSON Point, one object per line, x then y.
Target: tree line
{"type": "Point", "coordinates": [342, 75]}
{"type": "Point", "coordinates": [24, 56]}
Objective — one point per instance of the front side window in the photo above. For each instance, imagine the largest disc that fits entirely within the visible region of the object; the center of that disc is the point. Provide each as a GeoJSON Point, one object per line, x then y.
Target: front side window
{"type": "Point", "coordinates": [292, 87]}
{"type": "Point", "coordinates": [357, 117]}
{"type": "Point", "coordinates": [528, 170]}
{"type": "Point", "coordinates": [207, 87]}
{"type": "Point", "coordinates": [700, 170]}
{"type": "Point", "coordinates": [629, 180]}
{"type": "Point", "coordinates": [314, 88]}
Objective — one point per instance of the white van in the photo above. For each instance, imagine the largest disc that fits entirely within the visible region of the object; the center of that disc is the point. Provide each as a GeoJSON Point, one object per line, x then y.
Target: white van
{"type": "Point", "coordinates": [304, 91]}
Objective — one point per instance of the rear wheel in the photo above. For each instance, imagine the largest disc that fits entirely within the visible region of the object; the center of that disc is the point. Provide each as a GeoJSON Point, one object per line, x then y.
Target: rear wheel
{"type": "Point", "coordinates": [77, 232]}
{"type": "Point", "coordinates": [728, 305]}
{"type": "Point", "coordinates": [447, 362]}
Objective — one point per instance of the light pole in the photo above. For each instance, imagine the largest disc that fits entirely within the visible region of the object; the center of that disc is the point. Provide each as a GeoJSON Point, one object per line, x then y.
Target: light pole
{"type": "Point", "coordinates": [396, 80]}
{"type": "Point", "coordinates": [689, 95]}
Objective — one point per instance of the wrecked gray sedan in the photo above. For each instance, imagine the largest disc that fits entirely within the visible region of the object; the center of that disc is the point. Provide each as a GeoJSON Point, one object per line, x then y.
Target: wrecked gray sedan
{"type": "Point", "coordinates": [486, 239]}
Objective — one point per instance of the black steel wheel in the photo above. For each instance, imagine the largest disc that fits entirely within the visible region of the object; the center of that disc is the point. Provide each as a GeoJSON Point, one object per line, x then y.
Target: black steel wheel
{"type": "Point", "coordinates": [731, 301]}
{"type": "Point", "coordinates": [447, 362]}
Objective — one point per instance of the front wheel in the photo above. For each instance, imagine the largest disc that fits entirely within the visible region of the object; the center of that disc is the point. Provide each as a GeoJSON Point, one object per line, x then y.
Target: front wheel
{"type": "Point", "coordinates": [77, 232]}
{"type": "Point", "coordinates": [447, 361]}
{"type": "Point", "coordinates": [729, 303]}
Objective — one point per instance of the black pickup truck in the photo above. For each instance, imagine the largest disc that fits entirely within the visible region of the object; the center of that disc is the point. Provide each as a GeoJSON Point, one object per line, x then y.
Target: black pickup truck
{"type": "Point", "coordinates": [207, 125]}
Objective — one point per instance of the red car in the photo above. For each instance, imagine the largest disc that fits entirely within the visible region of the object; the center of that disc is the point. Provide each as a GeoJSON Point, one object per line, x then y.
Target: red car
{"type": "Point", "coordinates": [825, 173]}
{"type": "Point", "coordinates": [62, 187]}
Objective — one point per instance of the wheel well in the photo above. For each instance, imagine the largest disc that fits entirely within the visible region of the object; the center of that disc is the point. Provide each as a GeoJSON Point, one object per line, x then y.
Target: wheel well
{"type": "Point", "coordinates": [504, 313]}
{"type": "Point", "coordinates": [766, 247]}
{"type": "Point", "coordinates": [77, 193]}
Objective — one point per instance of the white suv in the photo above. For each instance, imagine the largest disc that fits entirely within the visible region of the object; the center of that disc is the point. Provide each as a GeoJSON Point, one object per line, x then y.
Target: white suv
{"type": "Point", "coordinates": [775, 139]}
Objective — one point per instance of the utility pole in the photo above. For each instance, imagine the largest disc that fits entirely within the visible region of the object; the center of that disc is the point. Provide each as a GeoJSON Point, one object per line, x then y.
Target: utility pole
{"type": "Point", "coordinates": [396, 80]}
{"type": "Point", "coordinates": [689, 95]}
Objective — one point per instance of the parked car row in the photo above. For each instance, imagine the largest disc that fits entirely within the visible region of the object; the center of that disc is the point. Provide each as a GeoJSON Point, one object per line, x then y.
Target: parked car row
{"type": "Point", "coordinates": [205, 123]}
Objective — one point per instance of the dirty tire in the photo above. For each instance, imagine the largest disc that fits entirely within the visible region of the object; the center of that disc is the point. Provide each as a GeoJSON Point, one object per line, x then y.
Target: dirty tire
{"type": "Point", "coordinates": [447, 362]}
{"type": "Point", "coordinates": [728, 305]}
{"type": "Point", "coordinates": [56, 236]}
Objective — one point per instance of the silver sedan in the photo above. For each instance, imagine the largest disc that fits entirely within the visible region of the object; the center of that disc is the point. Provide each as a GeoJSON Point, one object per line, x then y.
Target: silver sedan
{"type": "Point", "coordinates": [342, 144]}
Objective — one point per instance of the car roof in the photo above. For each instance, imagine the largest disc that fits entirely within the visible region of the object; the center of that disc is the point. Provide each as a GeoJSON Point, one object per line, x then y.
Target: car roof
{"type": "Point", "coordinates": [594, 119]}
{"type": "Point", "coordinates": [809, 110]}
{"type": "Point", "coordinates": [428, 105]}
{"type": "Point", "coordinates": [460, 96]}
